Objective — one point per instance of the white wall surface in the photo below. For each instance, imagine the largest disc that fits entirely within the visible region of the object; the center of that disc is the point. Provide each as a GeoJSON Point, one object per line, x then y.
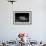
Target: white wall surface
{"type": "Point", "coordinates": [9, 31]}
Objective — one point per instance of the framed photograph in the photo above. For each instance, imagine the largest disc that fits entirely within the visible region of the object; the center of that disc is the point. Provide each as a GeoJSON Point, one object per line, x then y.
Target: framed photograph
{"type": "Point", "coordinates": [22, 17]}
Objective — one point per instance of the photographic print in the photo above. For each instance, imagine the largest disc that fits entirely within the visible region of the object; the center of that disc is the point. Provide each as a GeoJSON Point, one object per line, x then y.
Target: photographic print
{"type": "Point", "coordinates": [22, 17]}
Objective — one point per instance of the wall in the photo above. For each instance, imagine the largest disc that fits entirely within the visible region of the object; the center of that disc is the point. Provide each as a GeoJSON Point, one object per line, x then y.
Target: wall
{"type": "Point", "coordinates": [9, 31]}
